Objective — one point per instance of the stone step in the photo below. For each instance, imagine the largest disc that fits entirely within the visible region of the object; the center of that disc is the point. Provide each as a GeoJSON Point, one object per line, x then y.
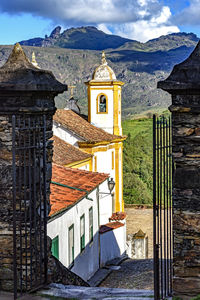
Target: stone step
{"type": "Point", "coordinates": [91, 293]}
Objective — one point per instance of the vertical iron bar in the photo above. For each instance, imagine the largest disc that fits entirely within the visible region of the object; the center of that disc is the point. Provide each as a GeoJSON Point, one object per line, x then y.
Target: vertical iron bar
{"type": "Point", "coordinates": [30, 196]}
{"type": "Point", "coordinates": [34, 200]}
{"type": "Point", "coordinates": [14, 204]}
{"type": "Point", "coordinates": [164, 208]}
{"type": "Point", "coordinates": [167, 195]}
{"type": "Point", "coordinates": [25, 204]}
{"type": "Point", "coordinates": [158, 200]}
{"type": "Point", "coordinates": [161, 194]}
{"type": "Point", "coordinates": [45, 197]}
{"type": "Point", "coordinates": [40, 195]}
{"type": "Point", "coordinates": [155, 249]}
{"type": "Point", "coordinates": [19, 189]}
{"type": "Point", "coordinates": [170, 179]}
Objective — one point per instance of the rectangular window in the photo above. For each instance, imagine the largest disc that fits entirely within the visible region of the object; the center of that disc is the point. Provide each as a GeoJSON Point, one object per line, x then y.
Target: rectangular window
{"type": "Point", "coordinates": [91, 224]}
{"type": "Point", "coordinates": [82, 232]}
{"type": "Point", "coordinates": [113, 161]}
{"type": "Point", "coordinates": [55, 247]}
{"type": "Point", "coordinates": [71, 244]}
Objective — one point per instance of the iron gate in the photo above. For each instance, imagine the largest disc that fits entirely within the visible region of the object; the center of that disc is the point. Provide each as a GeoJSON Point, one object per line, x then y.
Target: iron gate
{"type": "Point", "coordinates": [29, 202]}
{"type": "Point", "coordinates": [162, 206]}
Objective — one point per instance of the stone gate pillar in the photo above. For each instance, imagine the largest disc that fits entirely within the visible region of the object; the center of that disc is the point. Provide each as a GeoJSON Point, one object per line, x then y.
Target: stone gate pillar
{"type": "Point", "coordinates": [184, 86]}
{"type": "Point", "coordinates": [27, 93]}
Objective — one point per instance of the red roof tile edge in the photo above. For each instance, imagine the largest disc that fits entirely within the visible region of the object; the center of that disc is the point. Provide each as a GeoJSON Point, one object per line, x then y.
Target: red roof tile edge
{"type": "Point", "coordinates": [85, 191]}
{"type": "Point", "coordinates": [118, 216]}
{"type": "Point", "coordinates": [110, 226]}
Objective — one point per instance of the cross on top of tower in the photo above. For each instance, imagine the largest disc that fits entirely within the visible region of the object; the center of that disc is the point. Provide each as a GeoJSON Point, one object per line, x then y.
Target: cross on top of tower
{"type": "Point", "coordinates": [71, 87]}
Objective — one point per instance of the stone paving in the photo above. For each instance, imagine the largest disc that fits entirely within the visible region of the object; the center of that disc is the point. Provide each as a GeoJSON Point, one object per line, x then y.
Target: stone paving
{"type": "Point", "coordinates": [90, 293]}
{"type": "Point", "coordinates": [133, 274]}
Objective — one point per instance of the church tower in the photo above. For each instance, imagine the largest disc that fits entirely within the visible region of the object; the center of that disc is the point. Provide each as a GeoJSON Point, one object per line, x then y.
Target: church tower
{"type": "Point", "coordinates": [104, 99]}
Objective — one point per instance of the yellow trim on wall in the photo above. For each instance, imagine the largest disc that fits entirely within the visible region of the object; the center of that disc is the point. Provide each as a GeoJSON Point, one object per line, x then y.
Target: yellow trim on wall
{"type": "Point", "coordinates": [89, 104]}
{"type": "Point", "coordinates": [80, 163]}
{"type": "Point", "coordinates": [113, 160]}
{"type": "Point", "coordinates": [117, 201]}
{"type": "Point", "coordinates": [91, 145]}
{"type": "Point", "coordinates": [97, 103]}
{"type": "Point", "coordinates": [116, 111]}
{"type": "Point", "coordinates": [122, 177]}
{"type": "Point", "coordinates": [95, 163]}
{"type": "Point", "coordinates": [100, 83]}
{"type": "Point", "coordinates": [91, 165]}
{"type": "Point", "coordinates": [105, 88]}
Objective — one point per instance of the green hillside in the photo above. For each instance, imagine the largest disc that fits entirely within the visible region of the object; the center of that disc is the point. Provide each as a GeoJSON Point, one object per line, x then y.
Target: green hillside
{"type": "Point", "coordinates": [137, 161]}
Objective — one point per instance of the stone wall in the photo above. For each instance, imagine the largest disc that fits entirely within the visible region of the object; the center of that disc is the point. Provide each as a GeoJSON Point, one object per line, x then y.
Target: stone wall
{"type": "Point", "coordinates": [184, 86]}
{"type": "Point", "coordinates": [26, 116]}
{"type": "Point", "coordinates": [186, 199]}
{"type": "Point", "coordinates": [30, 191]}
{"type": "Point", "coordinates": [6, 230]}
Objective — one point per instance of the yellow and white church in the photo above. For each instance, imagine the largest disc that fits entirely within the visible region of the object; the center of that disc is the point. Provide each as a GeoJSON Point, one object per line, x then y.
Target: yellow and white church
{"type": "Point", "coordinates": [100, 136]}
{"type": "Point", "coordinates": [88, 155]}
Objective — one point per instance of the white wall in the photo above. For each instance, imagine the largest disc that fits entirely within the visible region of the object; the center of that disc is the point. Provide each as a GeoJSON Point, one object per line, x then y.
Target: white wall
{"type": "Point", "coordinates": [87, 262]}
{"type": "Point", "coordinates": [105, 203]}
{"type": "Point", "coordinates": [120, 178]}
{"type": "Point", "coordinates": [120, 112]}
{"type": "Point", "coordinates": [113, 244]}
{"type": "Point", "coordinates": [85, 167]}
{"type": "Point", "coordinates": [104, 161]}
{"type": "Point", "coordinates": [65, 134]}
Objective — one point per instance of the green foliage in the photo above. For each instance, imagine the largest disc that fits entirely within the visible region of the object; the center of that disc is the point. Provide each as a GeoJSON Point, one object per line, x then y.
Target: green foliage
{"type": "Point", "coordinates": [196, 298]}
{"type": "Point", "coordinates": [137, 163]}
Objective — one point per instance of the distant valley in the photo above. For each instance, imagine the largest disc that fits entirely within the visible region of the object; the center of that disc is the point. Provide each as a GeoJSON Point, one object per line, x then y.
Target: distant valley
{"type": "Point", "coordinates": [73, 55]}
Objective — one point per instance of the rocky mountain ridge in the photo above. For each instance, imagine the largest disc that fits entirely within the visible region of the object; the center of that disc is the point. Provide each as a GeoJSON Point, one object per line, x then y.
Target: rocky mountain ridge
{"type": "Point", "coordinates": [139, 65]}
{"type": "Point", "coordinates": [88, 37]}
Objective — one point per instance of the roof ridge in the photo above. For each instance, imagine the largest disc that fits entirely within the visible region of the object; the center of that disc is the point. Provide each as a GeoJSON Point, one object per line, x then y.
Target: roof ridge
{"type": "Point", "coordinates": [82, 128]}
{"type": "Point", "coordinates": [80, 170]}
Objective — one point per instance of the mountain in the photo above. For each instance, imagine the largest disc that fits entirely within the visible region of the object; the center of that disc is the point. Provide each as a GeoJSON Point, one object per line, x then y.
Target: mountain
{"type": "Point", "coordinates": [88, 37]}
{"type": "Point", "coordinates": [139, 65]}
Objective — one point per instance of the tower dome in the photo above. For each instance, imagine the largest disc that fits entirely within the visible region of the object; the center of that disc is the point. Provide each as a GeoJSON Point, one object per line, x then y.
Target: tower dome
{"type": "Point", "coordinates": [103, 72]}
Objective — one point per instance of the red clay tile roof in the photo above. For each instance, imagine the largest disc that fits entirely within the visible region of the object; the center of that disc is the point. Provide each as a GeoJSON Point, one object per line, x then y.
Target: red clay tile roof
{"type": "Point", "coordinates": [64, 153]}
{"type": "Point", "coordinates": [118, 216]}
{"type": "Point", "coordinates": [110, 226]}
{"type": "Point", "coordinates": [82, 128]}
{"type": "Point", "coordinates": [63, 197]}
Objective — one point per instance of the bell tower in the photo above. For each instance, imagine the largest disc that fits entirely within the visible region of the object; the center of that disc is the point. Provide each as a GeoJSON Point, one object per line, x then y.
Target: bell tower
{"type": "Point", "coordinates": [104, 99]}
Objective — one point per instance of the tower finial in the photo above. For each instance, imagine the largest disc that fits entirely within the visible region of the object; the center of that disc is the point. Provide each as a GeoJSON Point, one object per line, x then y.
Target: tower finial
{"type": "Point", "coordinates": [34, 62]}
{"type": "Point", "coordinates": [103, 58]}
{"type": "Point", "coordinates": [71, 87]}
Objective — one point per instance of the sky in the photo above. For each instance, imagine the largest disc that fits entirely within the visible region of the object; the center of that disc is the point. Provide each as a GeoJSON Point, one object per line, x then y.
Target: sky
{"type": "Point", "coordinates": [140, 20]}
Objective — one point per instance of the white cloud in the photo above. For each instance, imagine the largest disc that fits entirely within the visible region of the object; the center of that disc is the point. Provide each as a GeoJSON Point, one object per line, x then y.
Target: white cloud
{"type": "Point", "coordinates": [144, 30]}
{"type": "Point", "coordinates": [104, 28]}
{"type": "Point", "coordinates": [85, 11]}
{"type": "Point", "coordinates": [135, 19]}
{"type": "Point", "coordinates": [190, 15]}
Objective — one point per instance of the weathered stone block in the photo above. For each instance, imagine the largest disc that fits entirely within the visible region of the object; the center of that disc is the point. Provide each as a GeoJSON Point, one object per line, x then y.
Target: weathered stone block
{"type": "Point", "coordinates": [187, 178]}
{"type": "Point", "coordinates": [186, 286]}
